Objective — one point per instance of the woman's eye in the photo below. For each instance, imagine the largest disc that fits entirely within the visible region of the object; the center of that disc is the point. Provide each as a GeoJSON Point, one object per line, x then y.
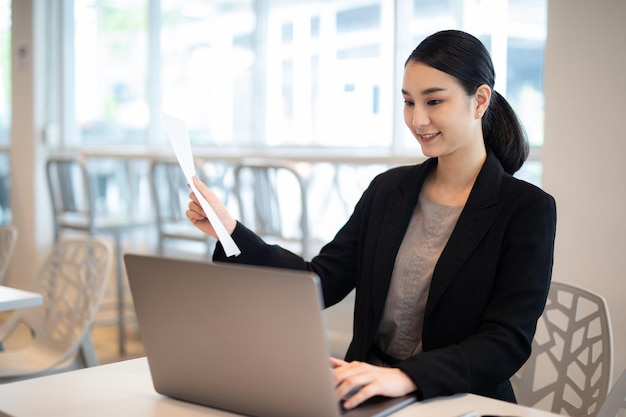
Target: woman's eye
{"type": "Point", "coordinates": [434, 102]}
{"type": "Point", "coordinates": [408, 103]}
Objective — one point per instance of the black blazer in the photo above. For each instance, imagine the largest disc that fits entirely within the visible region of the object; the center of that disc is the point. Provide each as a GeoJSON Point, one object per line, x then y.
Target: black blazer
{"type": "Point", "coordinates": [488, 289]}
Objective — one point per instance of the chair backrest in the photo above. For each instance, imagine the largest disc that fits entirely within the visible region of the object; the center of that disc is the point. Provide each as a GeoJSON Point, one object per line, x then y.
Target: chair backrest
{"type": "Point", "coordinates": [8, 240]}
{"type": "Point", "coordinates": [615, 404]}
{"type": "Point", "coordinates": [273, 201]}
{"type": "Point", "coordinates": [91, 195]}
{"type": "Point", "coordinates": [169, 190]}
{"type": "Point", "coordinates": [570, 367]}
{"type": "Point", "coordinates": [71, 195]}
{"type": "Point", "coordinates": [72, 280]}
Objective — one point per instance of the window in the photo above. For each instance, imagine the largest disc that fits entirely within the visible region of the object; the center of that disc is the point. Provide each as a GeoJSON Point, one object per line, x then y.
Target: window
{"type": "Point", "coordinates": [339, 71]}
{"type": "Point", "coordinates": [110, 57]}
{"type": "Point", "coordinates": [207, 72]}
{"type": "Point", "coordinates": [276, 73]}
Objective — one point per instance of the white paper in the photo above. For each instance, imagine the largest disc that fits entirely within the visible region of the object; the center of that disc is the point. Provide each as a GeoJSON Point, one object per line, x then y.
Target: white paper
{"type": "Point", "coordinates": [178, 136]}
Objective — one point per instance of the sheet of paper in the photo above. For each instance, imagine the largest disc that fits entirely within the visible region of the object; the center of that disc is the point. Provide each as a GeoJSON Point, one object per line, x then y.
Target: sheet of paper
{"type": "Point", "coordinates": [178, 135]}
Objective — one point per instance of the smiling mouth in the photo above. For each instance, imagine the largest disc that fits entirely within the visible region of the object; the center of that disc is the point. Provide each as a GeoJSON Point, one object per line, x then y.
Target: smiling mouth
{"type": "Point", "coordinates": [428, 137]}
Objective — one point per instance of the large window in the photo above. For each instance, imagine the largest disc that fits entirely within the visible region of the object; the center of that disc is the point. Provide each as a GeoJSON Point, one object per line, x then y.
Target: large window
{"type": "Point", "coordinates": [329, 74]}
{"type": "Point", "coordinates": [110, 68]}
{"type": "Point", "coordinates": [207, 68]}
{"type": "Point", "coordinates": [282, 73]}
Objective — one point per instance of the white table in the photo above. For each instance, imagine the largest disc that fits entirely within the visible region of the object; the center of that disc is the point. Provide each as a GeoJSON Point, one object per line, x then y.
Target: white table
{"type": "Point", "coordinates": [125, 389]}
{"type": "Point", "coordinates": [12, 298]}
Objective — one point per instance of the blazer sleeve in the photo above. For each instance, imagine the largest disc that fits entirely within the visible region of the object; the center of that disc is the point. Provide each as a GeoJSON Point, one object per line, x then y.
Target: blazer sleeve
{"type": "Point", "coordinates": [337, 265]}
{"type": "Point", "coordinates": [341, 263]}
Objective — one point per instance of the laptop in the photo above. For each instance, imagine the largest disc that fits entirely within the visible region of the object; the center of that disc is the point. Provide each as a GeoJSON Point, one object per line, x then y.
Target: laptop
{"type": "Point", "coordinates": [244, 339]}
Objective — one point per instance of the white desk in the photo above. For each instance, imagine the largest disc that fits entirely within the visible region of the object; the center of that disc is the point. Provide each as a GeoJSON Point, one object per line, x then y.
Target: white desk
{"type": "Point", "coordinates": [12, 298]}
{"type": "Point", "coordinates": [125, 389]}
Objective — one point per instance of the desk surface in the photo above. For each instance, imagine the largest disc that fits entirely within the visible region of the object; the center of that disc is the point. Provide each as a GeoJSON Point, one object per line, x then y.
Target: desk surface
{"type": "Point", "coordinates": [125, 389]}
{"type": "Point", "coordinates": [12, 298]}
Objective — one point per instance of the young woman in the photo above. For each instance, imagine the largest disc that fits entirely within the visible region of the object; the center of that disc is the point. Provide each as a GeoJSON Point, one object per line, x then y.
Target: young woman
{"type": "Point", "coordinates": [451, 259]}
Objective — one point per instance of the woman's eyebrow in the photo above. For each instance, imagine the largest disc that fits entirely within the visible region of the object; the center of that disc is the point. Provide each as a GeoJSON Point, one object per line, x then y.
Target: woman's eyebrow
{"type": "Point", "coordinates": [432, 90]}
{"type": "Point", "coordinates": [426, 91]}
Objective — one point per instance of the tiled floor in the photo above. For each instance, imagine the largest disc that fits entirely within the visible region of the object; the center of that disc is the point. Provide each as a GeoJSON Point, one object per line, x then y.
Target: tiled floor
{"type": "Point", "coordinates": [105, 340]}
{"type": "Point", "coordinates": [105, 336]}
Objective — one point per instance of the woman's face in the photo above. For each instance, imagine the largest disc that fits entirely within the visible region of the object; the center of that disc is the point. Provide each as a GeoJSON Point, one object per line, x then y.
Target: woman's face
{"type": "Point", "coordinates": [439, 113]}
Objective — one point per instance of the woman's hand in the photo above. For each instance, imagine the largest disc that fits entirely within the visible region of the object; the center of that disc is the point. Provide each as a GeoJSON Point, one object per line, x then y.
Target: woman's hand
{"type": "Point", "coordinates": [369, 380]}
{"type": "Point", "coordinates": [196, 214]}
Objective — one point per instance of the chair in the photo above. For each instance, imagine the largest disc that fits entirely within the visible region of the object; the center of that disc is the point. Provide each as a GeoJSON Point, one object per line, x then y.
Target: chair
{"type": "Point", "coordinates": [74, 198]}
{"type": "Point", "coordinates": [72, 281]}
{"type": "Point", "coordinates": [615, 404]}
{"type": "Point", "coordinates": [8, 239]}
{"type": "Point", "coordinates": [170, 195]}
{"type": "Point", "coordinates": [570, 367]}
{"type": "Point", "coordinates": [272, 200]}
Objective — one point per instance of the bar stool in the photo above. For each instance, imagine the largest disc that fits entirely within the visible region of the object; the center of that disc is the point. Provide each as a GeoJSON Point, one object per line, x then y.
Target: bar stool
{"type": "Point", "coordinates": [74, 205]}
{"type": "Point", "coordinates": [272, 197]}
{"type": "Point", "coordinates": [170, 196]}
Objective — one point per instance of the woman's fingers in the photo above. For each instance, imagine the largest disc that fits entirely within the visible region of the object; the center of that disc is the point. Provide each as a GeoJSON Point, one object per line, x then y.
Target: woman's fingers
{"type": "Point", "coordinates": [358, 382]}
{"type": "Point", "coordinates": [197, 216]}
{"type": "Point", "coordinates": [334, 362]}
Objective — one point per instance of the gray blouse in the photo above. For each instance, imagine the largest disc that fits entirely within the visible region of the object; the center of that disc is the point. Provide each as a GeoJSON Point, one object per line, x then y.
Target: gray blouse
{"type": "Point", "coordinates": [400, 330]}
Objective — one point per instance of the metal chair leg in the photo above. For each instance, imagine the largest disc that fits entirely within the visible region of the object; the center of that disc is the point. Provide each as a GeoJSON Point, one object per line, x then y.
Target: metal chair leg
{"type": "Point", "coordinates": [121, 324]}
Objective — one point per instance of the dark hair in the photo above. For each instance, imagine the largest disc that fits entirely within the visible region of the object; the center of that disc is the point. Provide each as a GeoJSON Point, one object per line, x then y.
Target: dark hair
{"type": "Point", "coordinates": [464, 57]}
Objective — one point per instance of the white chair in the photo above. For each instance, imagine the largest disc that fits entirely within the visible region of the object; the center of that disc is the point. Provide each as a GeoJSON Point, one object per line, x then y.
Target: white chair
{"type": "Point", "coordinates": [615, 404]}
{"type": "Point", "coordinates": [56, 336]}
{"type": "Point", "coordinates": [570, 368]}
{"type": "Point", "coordinates": [272, 197]}
{"type": "Point", "coordinates": [8, 239]}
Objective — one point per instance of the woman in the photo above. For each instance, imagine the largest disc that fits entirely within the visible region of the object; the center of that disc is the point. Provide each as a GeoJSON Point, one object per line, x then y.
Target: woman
{"type": "Point", "coordinates": [451, 259]}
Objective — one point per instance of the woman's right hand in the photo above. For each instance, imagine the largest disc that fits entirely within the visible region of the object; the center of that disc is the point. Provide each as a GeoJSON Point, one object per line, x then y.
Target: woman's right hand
{"type": "Point", "coordinates": [196, 214]}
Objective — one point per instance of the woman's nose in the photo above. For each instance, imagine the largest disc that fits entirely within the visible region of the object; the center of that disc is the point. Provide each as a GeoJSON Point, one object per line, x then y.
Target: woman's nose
{"type": "Point", "coordinates": [419, 118]}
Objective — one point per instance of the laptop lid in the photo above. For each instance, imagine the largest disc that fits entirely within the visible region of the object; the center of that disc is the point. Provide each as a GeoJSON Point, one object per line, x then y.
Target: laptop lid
{"type": "Point", "coordinates": [244, 339]}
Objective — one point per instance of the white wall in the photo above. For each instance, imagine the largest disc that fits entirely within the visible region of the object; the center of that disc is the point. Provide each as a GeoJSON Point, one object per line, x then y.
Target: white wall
{"type": "Point", "coordinates": [584, 155]}
{"type": "Point", "coordinates": [29, 195]}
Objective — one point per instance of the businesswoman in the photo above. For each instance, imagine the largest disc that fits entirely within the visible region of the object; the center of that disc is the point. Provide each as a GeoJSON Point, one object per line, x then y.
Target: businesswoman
{"type": "Point", "coordinates": [451, 259]}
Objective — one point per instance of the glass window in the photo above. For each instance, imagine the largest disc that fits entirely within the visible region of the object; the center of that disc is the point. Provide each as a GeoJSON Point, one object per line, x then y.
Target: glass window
{"type": "Point", "coordinates": [110, 71]}
{"type": "Point", "coordinates": [527, 23]}
{"type": "Point", "coordinates": [207, 68]}
{"type": "Point", "coordinates": [283, 73]}
{"type": "Point", "coordinates": [338, 70]}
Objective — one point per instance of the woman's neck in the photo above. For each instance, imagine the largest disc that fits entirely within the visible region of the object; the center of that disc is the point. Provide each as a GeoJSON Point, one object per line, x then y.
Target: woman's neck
{"type": "Point", "coordinates": [451, 182]}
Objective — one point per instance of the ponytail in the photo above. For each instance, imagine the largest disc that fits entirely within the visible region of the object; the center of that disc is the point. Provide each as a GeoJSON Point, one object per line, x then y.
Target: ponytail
{"type": "Point", "coordinates": [504, 134]}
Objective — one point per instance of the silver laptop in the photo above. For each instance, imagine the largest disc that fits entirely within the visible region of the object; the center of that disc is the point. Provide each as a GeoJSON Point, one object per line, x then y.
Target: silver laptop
{"type": "Point", "coordinates": [244, 339]}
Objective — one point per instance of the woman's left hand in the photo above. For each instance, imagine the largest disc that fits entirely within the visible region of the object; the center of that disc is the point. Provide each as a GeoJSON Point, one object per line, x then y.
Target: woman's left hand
{"type": "Point", "coordinates": [370, 380]}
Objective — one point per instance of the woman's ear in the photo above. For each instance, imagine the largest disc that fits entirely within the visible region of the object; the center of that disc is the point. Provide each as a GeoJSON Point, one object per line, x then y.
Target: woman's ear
{"type": "Point", "coordinates": [482, 97]}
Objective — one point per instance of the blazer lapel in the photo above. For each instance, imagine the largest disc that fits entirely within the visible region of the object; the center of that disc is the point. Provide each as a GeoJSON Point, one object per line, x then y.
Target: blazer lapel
{"type": "Point", "coordinates": [474, 222]}
{"type": "Point", "coordinates": [398, 211]}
